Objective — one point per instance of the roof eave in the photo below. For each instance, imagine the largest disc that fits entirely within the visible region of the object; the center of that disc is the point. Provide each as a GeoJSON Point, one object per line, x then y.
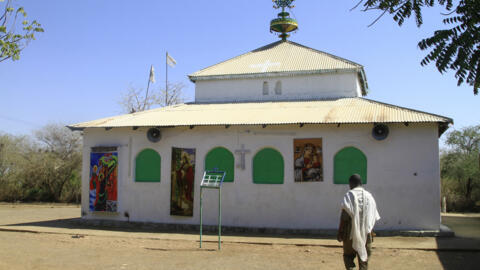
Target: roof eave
{"type": "Point", "coordinates": [75, 128]}
{"type": "Point", "coordinates": [363, 81]}
{"type": "Point", "coordinates": [194, 78]}
{"type": "Point", "coordinates": [443, 126]}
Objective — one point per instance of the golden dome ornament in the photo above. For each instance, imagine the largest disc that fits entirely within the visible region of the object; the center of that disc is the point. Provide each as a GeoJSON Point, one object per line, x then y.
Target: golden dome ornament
{"type": "Point", "coordinates": [283, 24]}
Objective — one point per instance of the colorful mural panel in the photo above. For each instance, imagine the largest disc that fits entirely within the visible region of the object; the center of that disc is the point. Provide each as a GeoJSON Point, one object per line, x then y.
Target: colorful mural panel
{"type": "Point", "coordinates": [308, 160]}
{"type": "Point", "coordinates": [182, 175]}
{"type": "Point", "coordinates": [103, 182]}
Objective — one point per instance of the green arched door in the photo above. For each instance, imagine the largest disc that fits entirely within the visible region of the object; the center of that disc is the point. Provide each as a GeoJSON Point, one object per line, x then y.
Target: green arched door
{"type": "Point", "coordinates": [147, 166]}
{"type": "Point", "coordinates": [348, 161]}
{"type": "Point", "coordinates": [268, 167]}
{"type": "Point", "coordinates": [222, 159]}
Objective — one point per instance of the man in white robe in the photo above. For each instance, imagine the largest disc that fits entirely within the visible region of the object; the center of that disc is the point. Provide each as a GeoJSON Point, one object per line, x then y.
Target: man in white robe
{"type": "Point", "coordinates": [359, 214]}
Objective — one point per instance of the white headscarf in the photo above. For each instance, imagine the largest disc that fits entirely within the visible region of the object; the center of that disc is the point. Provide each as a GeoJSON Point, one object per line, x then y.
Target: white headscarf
{"type": "Point", "coordinates": [361, 207]}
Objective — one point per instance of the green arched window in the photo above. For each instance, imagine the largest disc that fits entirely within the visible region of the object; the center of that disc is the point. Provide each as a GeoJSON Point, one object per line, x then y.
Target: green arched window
{"type": "Point", "coordinates": [147, 166]}
{"type": "Point", "coordinates": [268, 167]}
{"type": "Point", "coordinates": [349, 161]}
{"type": "Point", "coordinates": [223, 160]}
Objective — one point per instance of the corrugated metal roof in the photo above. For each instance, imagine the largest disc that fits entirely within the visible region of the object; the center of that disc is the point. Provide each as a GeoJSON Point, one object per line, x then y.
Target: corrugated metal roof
{"type": "Point", "coordinates": [344, 110]}
{"type": "Point", "coordinates": [280, 58]}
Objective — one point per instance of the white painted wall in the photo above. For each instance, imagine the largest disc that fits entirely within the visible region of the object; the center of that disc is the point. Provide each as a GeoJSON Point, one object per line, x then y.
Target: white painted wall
{"type": "Point", "coordinates": [403, 176]}
{"type": "Point", "coordinates": [319, 86]}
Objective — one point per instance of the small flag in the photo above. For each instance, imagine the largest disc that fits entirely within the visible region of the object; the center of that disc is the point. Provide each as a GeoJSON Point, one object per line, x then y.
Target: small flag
{"type": "Point", "coordinates": [152, 74]}
{"type": "Point", "coordinates": [170, 61]}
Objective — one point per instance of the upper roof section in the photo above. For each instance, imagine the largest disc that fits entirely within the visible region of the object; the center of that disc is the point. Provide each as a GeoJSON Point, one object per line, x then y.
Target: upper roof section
{"type": "Point", "coordinates": [281, 58]}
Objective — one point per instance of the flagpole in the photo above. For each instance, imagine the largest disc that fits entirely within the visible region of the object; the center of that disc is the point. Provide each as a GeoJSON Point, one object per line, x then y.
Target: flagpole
{"type": "Point", "coordinates": [166, 79]}
{"type": "Point", "coordinates": [146, 94]}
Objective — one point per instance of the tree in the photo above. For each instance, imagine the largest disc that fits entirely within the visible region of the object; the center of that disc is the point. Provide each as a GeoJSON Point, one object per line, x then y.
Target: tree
{"type": "Point", "coordinates": [460, 168]}
{"type": "Point", "coordinates": [11, 164]}
{"type": "Point", "coordinates": [60, 164]}
{"type": "Point", "coordinates": [136, 100]}
{"type": "Point", "coordinates": [456, 48]}
{"type": "Point", "coordinates": [56, 138]}
{"type": "Point", "coordinates": [12, 40]}
{"type": "Point", "coordinates": [44, 168]}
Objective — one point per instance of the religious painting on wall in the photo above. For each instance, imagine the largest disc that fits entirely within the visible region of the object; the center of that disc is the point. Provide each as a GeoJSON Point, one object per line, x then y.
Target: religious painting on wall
{"type": "Point", "coordinates": [103, 179]}
{"type": "Point", "coordinates": [308, 160]}
{"type": "Point", "coordinates": [182, 175]}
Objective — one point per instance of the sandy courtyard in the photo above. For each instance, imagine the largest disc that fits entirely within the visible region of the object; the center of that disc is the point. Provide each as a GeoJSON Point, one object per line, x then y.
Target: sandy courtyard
{"type": "Point", "coordinates": [29, 241]}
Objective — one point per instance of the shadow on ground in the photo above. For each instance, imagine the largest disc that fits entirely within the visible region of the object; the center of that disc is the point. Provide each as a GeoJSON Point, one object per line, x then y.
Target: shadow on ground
{"type": "Point", "coordinates": [147, 227]}
{"type": "Point", "coordinates": [460, 252]}
{"type": "Point", "coordinates": [467, 234]}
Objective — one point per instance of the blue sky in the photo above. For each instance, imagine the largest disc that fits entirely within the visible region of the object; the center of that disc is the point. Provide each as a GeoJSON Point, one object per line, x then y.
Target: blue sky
{"type": "Point", "coordinates": [93, 50]}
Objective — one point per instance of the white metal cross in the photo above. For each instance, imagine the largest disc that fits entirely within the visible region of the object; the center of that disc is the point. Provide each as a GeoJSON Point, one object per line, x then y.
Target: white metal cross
{"type": "Point", "coordinates": [242, 153]}
{"type": "Point", "coordinates": [264, 66]}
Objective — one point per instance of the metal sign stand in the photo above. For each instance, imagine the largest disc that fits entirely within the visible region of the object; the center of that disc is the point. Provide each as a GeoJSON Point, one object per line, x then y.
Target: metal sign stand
{"type": "Point", "coordinates": [213, 180]}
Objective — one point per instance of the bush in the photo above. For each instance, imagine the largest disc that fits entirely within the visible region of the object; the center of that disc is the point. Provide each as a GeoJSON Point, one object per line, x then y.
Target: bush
{"type": "Point", "coordinates": [460, 170]}
{"type": "Point", "coordinates": [46, 169]}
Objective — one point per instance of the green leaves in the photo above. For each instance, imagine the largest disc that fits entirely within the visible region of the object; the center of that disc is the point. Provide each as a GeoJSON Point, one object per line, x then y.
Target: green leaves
{"type": "Point", "coordinates": [12, 40]}
{"type": "Point", "coordinates": [403, 9]}
{"type": "Point", "coordinates": [47, 168]}
{"type": "Point", "coordinates": [21, 11]}
{"type": "Point", "coordinates": [460, 168]}
{"type": "Point", "coordinates": [456, 48]}
{"type": "Point", "coordinates": [466, 140]}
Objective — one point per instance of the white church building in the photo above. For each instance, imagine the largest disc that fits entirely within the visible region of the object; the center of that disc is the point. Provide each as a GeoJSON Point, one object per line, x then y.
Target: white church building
{"type": "Point", "coordinates": [288, 124]}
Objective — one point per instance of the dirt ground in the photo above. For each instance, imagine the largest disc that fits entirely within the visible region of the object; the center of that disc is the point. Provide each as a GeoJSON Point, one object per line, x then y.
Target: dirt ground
{"type": "Point", "coordinates": [27, 244]}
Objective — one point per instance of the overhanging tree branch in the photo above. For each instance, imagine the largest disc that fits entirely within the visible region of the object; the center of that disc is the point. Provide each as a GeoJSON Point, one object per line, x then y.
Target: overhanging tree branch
{"type": "Point", "coordinates": [456, 48]}
{"type": "Point", "coordinates": [11, 41]}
